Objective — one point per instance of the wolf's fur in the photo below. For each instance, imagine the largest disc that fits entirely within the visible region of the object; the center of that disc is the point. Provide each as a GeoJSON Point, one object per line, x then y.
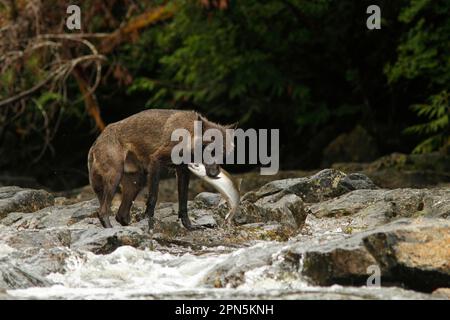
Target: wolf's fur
{"type": "Point", "coordinates": [131, 153]}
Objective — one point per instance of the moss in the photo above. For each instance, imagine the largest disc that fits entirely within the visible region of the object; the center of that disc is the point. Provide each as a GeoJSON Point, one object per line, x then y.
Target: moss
{"type": "Point", "coordinates": [348, 230]}
{"type": "Point", "coordinates": [281, 234]}
{"type": "Point", "coordinates": [421, 213]}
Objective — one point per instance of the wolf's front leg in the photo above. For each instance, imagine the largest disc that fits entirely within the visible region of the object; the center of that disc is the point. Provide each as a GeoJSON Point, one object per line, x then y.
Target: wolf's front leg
{"type": "Point", "coordinates": [154, 171]}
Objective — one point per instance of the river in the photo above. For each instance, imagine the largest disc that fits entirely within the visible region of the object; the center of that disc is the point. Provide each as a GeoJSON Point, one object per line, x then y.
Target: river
{"type": "Point", "coordinates": [130, 273]}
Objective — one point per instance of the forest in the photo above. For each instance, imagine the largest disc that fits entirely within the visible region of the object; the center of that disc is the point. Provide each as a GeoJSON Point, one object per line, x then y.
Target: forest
{"type": "Point", "coordinates": [310, 68]}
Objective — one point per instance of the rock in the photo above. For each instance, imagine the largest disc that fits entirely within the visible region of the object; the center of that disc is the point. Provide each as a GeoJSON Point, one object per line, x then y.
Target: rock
{"type": "Point", "coordinates": [209, 238]}
{"type": "Point", "coordinates": [103, 241]}
{"type": "Point", "coordinates": [347, 204]}
{"type": "Point", "coordinates": [254, 180]}
{"type": "Point", "coordinates": [383, 205]}
{"type": "Point", "coordinates": [28, 266]}
{"type": "Point", "coordinates": [250, 181]}
{"type": "Point", "coordinates": [399, 170]}
{"type": "Point", "coordinates": [76, 195]}
{"type": "Point", "coordinates": [306, 293]}
{"type": "Point", "coordinates": [418, 257]}
{"type": "Point", "coordinates": [280, 201]}
{"type": "Point", "coordinates": [345, 263]}
{"type": "Point", "coordinates": [425, 162]}
{"type": "Point", "coordinates": [409, 253]}
{"type": "Point", "coordinates": [4, 295]}
{"type": "Point", "coordinates": [355, 146]}
{"type": "Point", "coordinates": [209, 199]}
{"type": "Point", "coordinates": [231, 272]}
{"type": "Point", "coordinates": [443, 293]}
{"type": "Point", "coordinates": [357, 181]}
{"type": "Point", "coordinates": [392, 178]}
{"type": "Point", "coordinates": [288, 209]}
{"type": "Point", "coordinates": [54, 216]}
{"type": "Point", "coordinates": [391, 171]}
{"type": "Point", "coordinates": [23, 200]}
{"type": "Point", "coordinates": [328, 228]}
{"type": "Point", "coordinates": [204, 218]}
{"type": "Point", "coordinates": [323, 185]}
{"type": "Point", "coordinates": [18, 277]}
{"type": "Point", "coordinates": [44, 261]}
{"type": "Point", "coordinates": [44, 239]}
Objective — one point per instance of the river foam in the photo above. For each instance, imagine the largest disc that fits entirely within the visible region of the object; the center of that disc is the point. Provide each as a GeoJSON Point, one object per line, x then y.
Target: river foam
{"type": "Point", "coordinates": [130, 273]}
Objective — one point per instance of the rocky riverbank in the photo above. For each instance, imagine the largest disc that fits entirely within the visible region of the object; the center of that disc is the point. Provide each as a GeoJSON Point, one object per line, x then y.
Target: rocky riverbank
{"type": "Point", "coordinates": [315, 237]}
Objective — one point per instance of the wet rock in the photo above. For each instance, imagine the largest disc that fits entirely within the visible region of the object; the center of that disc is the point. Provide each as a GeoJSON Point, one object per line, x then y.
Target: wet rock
{"type": "Point", "coordinates": [18, 277]}
{"type": "Point", "coordinates": [346, 263]}
{"type": "Point", "coordinates": [409, 253]}
{"type": "Point", "coordinates": [23, 200]}
{"type": "Point", "coordinates": [103, 241]}
{"type": "Point", "coordinates": [4, 295]}
{"type": "Point", "coordinates": [329, 227]}
{"type": "Point", "coordinates": [235, 237]}
{"type": "Point", "coordinates": [44, 261]}
{"type": "Point", "coordinates": [307, 293]}
{"type": "Point", "coordinates": [231, 272]}
{"type": "Point", "coordinates": [27, 267]}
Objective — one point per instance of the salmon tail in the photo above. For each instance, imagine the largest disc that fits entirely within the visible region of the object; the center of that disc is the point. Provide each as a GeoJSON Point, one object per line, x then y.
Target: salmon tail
{"type": "Point", "coordinates": [229, 217]}
{"type": "Point", "coordinates": [239, 183]}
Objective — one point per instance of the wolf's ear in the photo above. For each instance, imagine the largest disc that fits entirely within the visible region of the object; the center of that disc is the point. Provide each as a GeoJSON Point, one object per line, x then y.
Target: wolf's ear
{"type": "Point", "coordinates": [232, 126]}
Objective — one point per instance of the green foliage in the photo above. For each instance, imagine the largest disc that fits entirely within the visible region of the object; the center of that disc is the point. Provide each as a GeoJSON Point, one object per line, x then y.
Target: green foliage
{"type": "Point", "coordinates": [424, 55]}
{"type": "Point", "coordinates": [46, 98]}
{"type": "Point", "coordinates": [7, 79]}
{"type": "Point", "coordinates": [416, 56]}
{"type": "Point", "coordinates": [306, 60]}
{"type": "Point", "coordinates": [412, 10]}
{"type": "Point", "coordinates": [438, 126]}
{"type": "Point", "coordinates": [244, 62]}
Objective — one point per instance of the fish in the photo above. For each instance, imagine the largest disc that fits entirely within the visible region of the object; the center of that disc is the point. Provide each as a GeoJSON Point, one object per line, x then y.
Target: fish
{"type": "Point", "coordinates": [228, 187]}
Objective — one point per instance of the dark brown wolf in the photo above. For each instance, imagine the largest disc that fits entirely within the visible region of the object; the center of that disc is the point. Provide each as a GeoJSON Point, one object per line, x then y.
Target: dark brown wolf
{"type": "Point", "coordinates": [132, 152]}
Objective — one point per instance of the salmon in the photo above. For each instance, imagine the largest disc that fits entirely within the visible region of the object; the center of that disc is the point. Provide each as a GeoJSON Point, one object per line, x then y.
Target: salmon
{"type": "Point", "coordinates": [228, 187]}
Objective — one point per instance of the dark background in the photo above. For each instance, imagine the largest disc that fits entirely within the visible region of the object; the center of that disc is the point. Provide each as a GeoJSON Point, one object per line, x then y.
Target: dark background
{"type": "Point", "coordinates": [336, 90]}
